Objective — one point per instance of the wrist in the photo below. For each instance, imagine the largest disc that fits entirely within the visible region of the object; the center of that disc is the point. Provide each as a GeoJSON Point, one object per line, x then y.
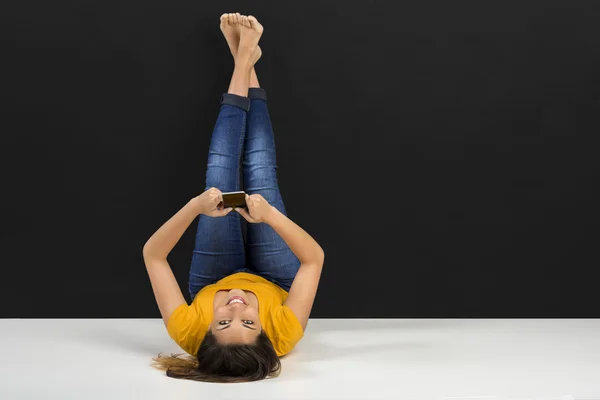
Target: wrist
{"type": "Point", "coordinates": [270, 215]}
{"type": "Point", "coordinates": [196, 205]}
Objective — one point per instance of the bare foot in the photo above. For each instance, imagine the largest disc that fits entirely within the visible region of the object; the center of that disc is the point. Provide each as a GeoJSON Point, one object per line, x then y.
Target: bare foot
{"type": "Point", "coordinates": [230, 26]}
{"type": "Point", "coordinates": [256, 56]}
{"type": "Point", "coordinates": [250, 32]}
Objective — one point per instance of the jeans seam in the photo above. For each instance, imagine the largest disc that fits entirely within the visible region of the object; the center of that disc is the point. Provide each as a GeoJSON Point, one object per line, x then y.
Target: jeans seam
{"type": "Point", "coordinates": [240, 153]}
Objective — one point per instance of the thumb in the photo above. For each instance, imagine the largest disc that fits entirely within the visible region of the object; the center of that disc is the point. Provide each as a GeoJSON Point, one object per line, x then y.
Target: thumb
{"type": "Point", "coordinates": [245, 214]}
{"type": "Point", "coordinates": [223, 212]}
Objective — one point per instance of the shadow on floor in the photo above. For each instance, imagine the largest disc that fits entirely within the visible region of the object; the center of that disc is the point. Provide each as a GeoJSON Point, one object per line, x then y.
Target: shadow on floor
{"type": "Point", "coordinates": [313, 348]}
{"type": "Point", "coordinates": [310, 349]}
{"type": "Point", "coordinates": [130, 342]}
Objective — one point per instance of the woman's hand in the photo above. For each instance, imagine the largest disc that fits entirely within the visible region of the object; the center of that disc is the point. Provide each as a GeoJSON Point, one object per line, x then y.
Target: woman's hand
{"type": "Point", "coordinates": [209, 201]}
{"type": "Point", "coordinates": [259, 209]}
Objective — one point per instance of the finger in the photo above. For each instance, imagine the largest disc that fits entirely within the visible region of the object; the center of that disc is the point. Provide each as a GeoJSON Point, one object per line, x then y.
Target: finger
{"type": "Point", "coordinates": [215, 197]}
{"type": "Point", "coordinates": [245, 214]}
{"type": "Point", "coordinates": [224, 212]}
{"type": "Point", "coordinates": [220, 213]}
{"type": "Point", "coordinates": [215, 192]}
{"type": "Point", "coordinates": [220, 197]}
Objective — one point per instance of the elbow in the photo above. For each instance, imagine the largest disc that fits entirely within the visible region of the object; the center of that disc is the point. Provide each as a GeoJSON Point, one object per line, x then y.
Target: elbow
{"type": "Point", "coordinates": [154, 249]}
{"type": "Point", "coordinates": [320, 256]}
{"type": "Point", "coordinates": [147, 251]}
{"type": "Point", "coordinates": [315, 257]}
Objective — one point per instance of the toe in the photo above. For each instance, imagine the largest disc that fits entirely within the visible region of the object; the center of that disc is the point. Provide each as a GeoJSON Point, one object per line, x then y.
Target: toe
{"type": "Point", "coordinates": [223, 17]}
{"type": "Point", "coordinates": [231, 19]}
{"type": "Point", "coordinates": [254, 22]}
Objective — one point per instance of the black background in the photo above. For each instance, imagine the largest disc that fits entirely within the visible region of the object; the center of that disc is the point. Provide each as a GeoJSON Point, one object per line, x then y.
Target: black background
{"type": "Point", "coordinates": [443, 154]}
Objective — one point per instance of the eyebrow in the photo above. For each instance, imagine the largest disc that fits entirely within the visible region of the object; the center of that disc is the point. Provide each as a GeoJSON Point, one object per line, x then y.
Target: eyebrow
{"type": "Point", "coordinates": [229, 326]}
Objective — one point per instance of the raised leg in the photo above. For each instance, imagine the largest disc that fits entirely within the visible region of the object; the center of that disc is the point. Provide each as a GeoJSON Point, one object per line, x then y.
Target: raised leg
{"type": "Point", "coordinates": [219, 247]}
{"type": "Point", "coordinates": [267, 253]}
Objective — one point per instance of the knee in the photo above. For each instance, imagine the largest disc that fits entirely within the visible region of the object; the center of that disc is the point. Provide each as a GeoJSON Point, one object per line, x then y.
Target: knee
{"type": "Point", "coordinates": [222, 179]}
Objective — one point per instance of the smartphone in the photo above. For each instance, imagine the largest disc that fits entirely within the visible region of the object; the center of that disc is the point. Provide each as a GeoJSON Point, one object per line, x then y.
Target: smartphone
{"type": "Point", "coordinates": [233, 199]}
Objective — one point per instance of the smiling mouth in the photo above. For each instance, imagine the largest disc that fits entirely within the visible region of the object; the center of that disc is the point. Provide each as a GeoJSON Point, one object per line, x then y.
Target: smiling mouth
{"type": "Point", "coordinates": [236, 299]}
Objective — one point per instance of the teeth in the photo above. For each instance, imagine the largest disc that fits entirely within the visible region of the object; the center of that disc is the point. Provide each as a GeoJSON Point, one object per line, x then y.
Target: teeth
{"type": "Point", "coordinates": [236, 301]}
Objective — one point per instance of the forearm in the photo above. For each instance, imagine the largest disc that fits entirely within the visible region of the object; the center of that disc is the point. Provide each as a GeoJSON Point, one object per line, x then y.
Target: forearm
{"type": "Point", "coordinates": [300, 242]}
{"type": "Point", "coordinates": [166, 237]}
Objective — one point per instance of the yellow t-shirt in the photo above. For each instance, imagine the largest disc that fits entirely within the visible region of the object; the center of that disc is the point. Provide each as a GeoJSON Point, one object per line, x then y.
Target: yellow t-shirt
{"type": "Point", "coordinates": [189, 323]}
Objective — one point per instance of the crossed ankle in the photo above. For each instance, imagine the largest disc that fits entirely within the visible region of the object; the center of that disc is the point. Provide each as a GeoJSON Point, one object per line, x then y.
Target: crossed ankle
{"type": "Point", "coordinates": [243, 64]}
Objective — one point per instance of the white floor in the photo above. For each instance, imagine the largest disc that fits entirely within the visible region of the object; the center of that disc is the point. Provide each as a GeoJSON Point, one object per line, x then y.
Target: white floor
{"type": "Point", "coordinates": [337, 359]}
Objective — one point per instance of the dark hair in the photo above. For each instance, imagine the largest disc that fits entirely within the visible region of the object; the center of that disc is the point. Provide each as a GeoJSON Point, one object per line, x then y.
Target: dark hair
{"type": "Point", "coordinates": [218, 362]}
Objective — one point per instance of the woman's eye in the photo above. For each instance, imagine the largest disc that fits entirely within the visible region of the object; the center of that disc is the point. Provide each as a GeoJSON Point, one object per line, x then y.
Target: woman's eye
{"type": "Point", "coordinates": [248, 322]}
{"type": "Point", "coordinates": [225, 322]}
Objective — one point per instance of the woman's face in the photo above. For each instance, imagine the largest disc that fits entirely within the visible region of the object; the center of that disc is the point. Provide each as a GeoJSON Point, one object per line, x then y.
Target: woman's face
{"type": "Point", "coordinates": [235, 318]}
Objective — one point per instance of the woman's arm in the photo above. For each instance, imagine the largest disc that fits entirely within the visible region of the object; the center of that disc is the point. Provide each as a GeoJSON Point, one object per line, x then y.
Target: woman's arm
{"type": "Point", "coordinates": [157, 248]}
{"type": "Point", "coordinates": [300, 242]}
{"type": "Point", "coordinates": [164, 285]}
{"type": "Point", "coordinates": [166, 237]}
{"type": "Point", "coordinates": [304, 288]}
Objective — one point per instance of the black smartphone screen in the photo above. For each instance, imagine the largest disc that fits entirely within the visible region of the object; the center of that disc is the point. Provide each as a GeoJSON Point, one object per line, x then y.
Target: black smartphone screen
{"type": "Point", "coordinates": [234, 199]}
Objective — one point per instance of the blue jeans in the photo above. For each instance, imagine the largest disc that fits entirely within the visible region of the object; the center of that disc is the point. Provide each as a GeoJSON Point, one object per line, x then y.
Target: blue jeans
{"type": "Point", "coordinates": [242, 148]}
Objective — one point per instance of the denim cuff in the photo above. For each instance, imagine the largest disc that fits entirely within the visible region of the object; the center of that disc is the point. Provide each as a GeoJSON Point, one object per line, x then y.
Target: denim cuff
{"type": "Point", "coordinates": [257, 93]}
{"type": "Point", "coordinates": [236, 101]}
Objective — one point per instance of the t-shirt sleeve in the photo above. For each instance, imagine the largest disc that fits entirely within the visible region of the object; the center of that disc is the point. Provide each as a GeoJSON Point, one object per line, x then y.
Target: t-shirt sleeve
{"type": "Point", "coordinates": [288, 331]}
{"type": "Point", "coordinates": [185, 328]}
